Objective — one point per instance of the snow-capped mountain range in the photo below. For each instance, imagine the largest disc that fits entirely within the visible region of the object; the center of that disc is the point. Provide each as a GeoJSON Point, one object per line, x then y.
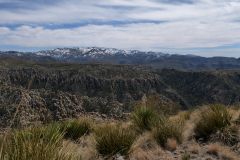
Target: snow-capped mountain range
{"type": "Point", "coordinates": [157, 60]}
{"type": "Point", "coordinates": [94, 52]}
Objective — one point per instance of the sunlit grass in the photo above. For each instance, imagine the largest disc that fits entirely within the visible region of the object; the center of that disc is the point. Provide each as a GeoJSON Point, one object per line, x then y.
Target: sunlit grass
{"type": "Point", "coordinates": [213, 119]}
{"type": "Point", "coordinates": [34, 144]}
{"type": "Point", "coordinates": [114, 138]}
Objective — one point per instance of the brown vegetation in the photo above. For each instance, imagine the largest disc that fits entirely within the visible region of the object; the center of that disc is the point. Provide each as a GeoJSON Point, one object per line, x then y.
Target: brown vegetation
{"type": "Point", "coordinates": [170, 138]}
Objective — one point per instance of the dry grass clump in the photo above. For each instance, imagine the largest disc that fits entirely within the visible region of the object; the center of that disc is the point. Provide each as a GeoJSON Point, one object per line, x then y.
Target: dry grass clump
{"type": "Point", "coordinates": [151, 154]}
{"type": "Point", "coordinates": [189, 125]}
{"type": "Point", "coordinates": [171, 144]}
{"type": "Point", "coordinates": [194, 148]}
{"type": "Point", "coordinates": [74, 129]}
{"type": "Point", "coordinates": [221, 152]}
{"type": "Point", "coordinates": [146, 148]}
{"type": "Point", "coordinates": [144, 118]}
{"type": "Point", "coordinates": [84, 150]}
{"type": "Point", "coordinates": [235, 112]}
{"type": "Point", "coordinates": [213, 149]}
{"type": "Point", "coordinates": [228, 136]}
{"type": "Point", "coordinates": [213, 119]}
{"type": "Point", "coordinates": [237, 121]}
{"type": "Point", "coordinates": [185, 115]}
{"type": "Point", "coordinates": [114, 138]}
{"type": "Point", "coordinates": [34, 143]}
{"type": "Point", "coordinates": [167, 129]}
{"type": "Point", "coordinates": [145, 141]}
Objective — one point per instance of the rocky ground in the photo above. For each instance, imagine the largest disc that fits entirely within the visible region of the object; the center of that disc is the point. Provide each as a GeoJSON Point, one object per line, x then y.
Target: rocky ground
{"type": "Point", "coordinates": [145, 148]}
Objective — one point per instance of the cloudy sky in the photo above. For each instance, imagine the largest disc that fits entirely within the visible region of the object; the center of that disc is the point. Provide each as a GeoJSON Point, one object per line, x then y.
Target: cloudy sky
{"type": "Point", "coordinates": [201, 27]}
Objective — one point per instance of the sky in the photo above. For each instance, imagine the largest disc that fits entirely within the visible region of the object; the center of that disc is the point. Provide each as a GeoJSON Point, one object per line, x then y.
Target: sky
{"type": "Point", "coordinates": [200, 27]}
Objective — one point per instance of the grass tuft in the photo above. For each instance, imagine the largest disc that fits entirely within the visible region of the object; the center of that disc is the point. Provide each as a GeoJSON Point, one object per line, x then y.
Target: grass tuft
{"type": "Point", "coordinates": [144, 118]}
{"type": "Point", "coordinates": [34, 143]}
{"type": "Point", "coordinates": [114, 138]}
{"type": "Point", "coordinates": [238, 120]}
{"type": "Point", "coordinates": [167, 129]}
{"type": "Point", "coordinates": [75, 129]}
{"type": "Point", "coordinates": [213, 119]}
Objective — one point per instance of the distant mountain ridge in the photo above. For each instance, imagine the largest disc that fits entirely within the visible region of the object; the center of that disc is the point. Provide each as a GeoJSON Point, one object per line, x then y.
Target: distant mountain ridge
{"type": "Point", "coordinates": [157, 60]}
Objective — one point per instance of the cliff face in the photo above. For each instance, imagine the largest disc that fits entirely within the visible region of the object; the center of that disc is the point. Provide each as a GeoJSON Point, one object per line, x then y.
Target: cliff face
{"type": "Point", "coordinates": [191, 88]}
{"type": "Point", "coordinates": [45, 92]}
{"type": "Point", "coordinates": [199, 88]}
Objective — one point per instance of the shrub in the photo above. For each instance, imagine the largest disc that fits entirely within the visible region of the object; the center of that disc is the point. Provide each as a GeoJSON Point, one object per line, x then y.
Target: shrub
{"type": "Point", "coordinates": [167, 129]}
{"type": "Point", "coordinates": [74, 129]}
{"type": "Point", "coordinates": [144, 118]}
{"type": "Point", "coordinates": [213, 119]}
{"type": "Point", "coordinates": [34, 143]}
{"type": "Point", "coordinates": [112, 139]}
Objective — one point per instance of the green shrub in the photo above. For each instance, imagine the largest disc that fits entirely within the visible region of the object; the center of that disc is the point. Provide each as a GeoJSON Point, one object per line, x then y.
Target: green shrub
{"type": "Point", "coordinates": [112, 139]}
{"type": "Point", "coordinates": [167, 129]}
{"type": "Point", "coordinates": [213, 119]}
{"type": "Point", "coordinates": [33, 143]}
{"type": "Point", "coordinates": [144, 118]}
{"type": "Point", "coordinates": [75, 129]}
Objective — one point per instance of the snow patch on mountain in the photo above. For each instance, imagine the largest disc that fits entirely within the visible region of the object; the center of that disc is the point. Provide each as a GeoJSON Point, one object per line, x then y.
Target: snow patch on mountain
{"type": "Point", "coordinates": [94, 52]}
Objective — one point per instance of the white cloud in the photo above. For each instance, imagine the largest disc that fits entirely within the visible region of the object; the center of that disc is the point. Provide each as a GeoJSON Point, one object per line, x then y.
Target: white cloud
{"type": "Point", "coordinates": [4, 31]}
{"type": "Point", "coordinates": [74, 11]}
{"type": "Point", "coordinates": [204, 23]}
{"type": "Point", "coordinates": [143, 36]}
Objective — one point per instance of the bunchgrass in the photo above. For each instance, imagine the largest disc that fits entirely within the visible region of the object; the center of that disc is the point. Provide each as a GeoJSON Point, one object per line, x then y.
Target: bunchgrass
{"type": "Point", "coordinates": [144, 118]}
{"type": "Point", "coordinates": [186, 115]}
{"type": "Point", "coordinates": [213, 119]}
{"type": "Point", "coordinates": [34, 143]}
{"type": "Point", "coordinates": [167, 129]}
{"type": "Point", "coordinates": [114, 138]}
{"type": "Point", "coordinates": [74, 129]}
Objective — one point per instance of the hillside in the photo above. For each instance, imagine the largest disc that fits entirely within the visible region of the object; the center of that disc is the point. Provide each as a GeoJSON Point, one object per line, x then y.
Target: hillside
{"type": "Point", "coordinates": [207, 133]}
{"type": "Point", "coordinates": [55, 91]}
